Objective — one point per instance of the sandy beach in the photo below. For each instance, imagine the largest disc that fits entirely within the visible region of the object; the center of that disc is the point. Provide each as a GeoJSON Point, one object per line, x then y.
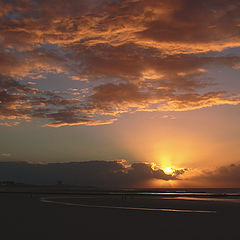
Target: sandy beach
{"type": "Point", "coordinates": [29, 217]}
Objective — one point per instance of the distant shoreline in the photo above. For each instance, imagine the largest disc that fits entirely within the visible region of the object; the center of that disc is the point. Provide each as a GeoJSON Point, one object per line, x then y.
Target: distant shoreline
{"type": "Point", "coordinates": [170, 193]}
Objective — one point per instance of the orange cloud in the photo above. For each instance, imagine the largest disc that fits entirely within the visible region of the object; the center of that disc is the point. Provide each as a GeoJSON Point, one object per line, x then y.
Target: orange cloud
{"type": "Point", "coordinates": [168, 26]}
{"type": "Point", "coordinates": [132, 56]}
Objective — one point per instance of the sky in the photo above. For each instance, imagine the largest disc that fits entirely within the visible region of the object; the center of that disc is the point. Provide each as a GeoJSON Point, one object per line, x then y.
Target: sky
{"type": "Point", "coordinates": [145, 91]}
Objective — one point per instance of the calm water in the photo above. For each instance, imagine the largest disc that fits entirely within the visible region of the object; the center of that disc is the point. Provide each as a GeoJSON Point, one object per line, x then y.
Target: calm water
{"type": "Point", "coordinates": [209, 194]}
{"type": "Point", "coordinates": [155, 200]}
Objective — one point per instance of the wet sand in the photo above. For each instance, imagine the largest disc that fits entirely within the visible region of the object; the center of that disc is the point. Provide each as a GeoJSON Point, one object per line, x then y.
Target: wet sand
{"type": "Point", "coordinates": [137, 202]}
{"type": "Point", "coordinates": [26, 217]}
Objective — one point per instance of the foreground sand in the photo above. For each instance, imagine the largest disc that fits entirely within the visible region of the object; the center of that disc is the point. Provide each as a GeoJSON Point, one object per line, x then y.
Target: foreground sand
{"type": "Point", "coordinates": [26, 217]}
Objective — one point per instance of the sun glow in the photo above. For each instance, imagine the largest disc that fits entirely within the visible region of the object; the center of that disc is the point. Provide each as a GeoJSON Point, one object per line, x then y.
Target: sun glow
{"type": "Point", "coordinates": [168, 170]}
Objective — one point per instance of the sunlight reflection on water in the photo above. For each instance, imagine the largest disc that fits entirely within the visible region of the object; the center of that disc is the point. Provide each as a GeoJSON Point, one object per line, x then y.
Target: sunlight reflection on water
{"type": "Point", "coordinates": [235, 200]}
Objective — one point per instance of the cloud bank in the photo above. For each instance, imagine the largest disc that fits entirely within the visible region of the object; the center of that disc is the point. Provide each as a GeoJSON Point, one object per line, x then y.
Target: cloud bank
{"type": "Point", "coordinates": [224, 176]}
{"type": "Point", "coordinates": [91, 173]}
{"type": "Point", "coordinates": [132, 55]}
{"type": "Point", "coordinates": [117, 174]}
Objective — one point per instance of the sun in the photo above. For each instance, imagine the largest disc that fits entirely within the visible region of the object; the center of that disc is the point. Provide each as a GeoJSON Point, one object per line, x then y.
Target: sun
{"type": "Point", "coordinates": [168, 170]}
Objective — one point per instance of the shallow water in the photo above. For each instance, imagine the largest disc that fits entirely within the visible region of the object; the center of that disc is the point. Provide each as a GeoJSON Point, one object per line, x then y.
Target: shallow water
{"type": "Point", "coordinates": [233, 199]}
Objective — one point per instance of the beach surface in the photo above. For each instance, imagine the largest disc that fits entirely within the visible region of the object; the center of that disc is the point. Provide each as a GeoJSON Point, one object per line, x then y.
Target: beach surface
{"type": "Point", "coordinates": [44, 216]}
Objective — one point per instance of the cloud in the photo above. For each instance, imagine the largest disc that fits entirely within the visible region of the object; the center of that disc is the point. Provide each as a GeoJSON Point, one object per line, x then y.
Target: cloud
{"type": "Point", "coordinates": [92, 173]}
{"type": "Point", "coordinates": [19, 101]}
{"type": "Point", "coordinates": [123, 97]}
{"type": "Point", "coordinates": [130, 56]}
{"type": "Point", "coordinates": [224, 176]}
{"type": "Point", "coordinates": [170, 26]}
{"type": "Point", "coordinates": [192, 26]}
{"type": "Point", "coordinates": [103, 106]}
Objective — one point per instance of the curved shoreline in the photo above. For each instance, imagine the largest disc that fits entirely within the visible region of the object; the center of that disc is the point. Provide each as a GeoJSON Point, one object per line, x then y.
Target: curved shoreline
{"type": "Point", "coordinates": [48, 200]}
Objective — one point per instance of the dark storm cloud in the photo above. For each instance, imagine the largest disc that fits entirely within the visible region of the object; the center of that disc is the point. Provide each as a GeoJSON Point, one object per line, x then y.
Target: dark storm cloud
{"type": "Point", "coordinates": [133, 54]}
{"type": "Point", "coordinates": [92, 173]}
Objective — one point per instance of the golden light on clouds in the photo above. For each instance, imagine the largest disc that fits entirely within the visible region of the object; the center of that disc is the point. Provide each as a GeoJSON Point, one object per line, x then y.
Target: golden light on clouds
{"type": "Point", "coordinates": [148, 51]}
{"type": "Point", "coordinates": [160, 77]}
